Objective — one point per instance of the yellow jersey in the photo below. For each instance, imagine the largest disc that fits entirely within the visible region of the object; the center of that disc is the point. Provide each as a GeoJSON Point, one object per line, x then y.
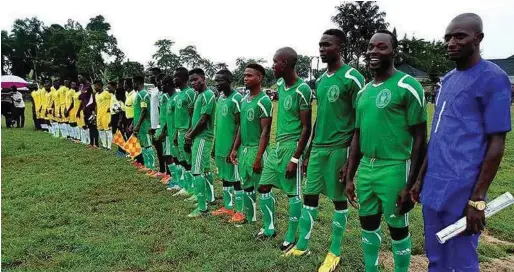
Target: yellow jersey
{"type": "Point", "coordinates": [36, 99]}
{"type": "Point", "coordinates": [129, 104]}
{"type": "Point", "coordinates": [103, 102]}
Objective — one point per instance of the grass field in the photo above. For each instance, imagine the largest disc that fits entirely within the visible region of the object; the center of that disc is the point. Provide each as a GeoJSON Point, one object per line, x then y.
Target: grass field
{"type": "Point", "coordinates": [65, 208]}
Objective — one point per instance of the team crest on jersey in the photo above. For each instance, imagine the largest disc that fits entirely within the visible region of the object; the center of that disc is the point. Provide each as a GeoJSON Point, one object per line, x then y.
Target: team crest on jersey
{"type": "Point", "coordinates": [333, 93]}
{"type": "Point", "coordinates": [383, 98]}
{"type": "Point", "coordinates": [250, 114]}
{"type": "Point", "coordinates": [288, 103]}
{"type": "Point", "coordinates": [224, 110]}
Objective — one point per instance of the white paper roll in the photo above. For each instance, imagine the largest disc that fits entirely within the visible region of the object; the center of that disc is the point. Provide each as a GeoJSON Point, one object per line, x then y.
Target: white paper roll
{"type": "Point", "coordinates": [458, 227]}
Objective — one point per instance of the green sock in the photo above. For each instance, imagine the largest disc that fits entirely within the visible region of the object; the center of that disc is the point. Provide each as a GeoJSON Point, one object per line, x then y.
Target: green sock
{"type": "Point", "coordinates": [150, 158]}
{"type": "Point", "coordinates": [172, 167]}
{"type": "Point", "coordinates": [309, 215]}
{"type": "Point", "coordinates": [402, 254]}
{"type": "Point", "coordinates": [188, 181]}
{"type": "Point", "coordinates": [338, 228]}
{"type": "Point", "coordinates": [371, 241]}
{"type": "Point", "coordinates": [267, 203]}
{"type": "Point", "coordinates": [200, 192]}
{"type": "Point", "coordinates": [295, 211]}
{"type": "Point", "coordinates": [228, 192]}
{"type": "Point", "coordinates": [249, 206]}
{"type": "Point", "coordinates": [210, 187]}
{"type": "Point", "coordinates": [239, 195]}
{"type": "Point", "coordinates": [179, 176]}
{"type": "Point", "coordinates": [144, 153]}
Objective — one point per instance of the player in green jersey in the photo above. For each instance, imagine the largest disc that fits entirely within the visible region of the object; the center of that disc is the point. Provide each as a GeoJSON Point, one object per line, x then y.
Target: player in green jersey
{"type": "Point", "coordinates": [327, 155]}
{"type": "Point", "coordinates": [249, 151]}
{"type": "Point", "coordinates": [166, 131]}
{"type": "Point", "coordinates": [387, 147]}
{"type": "Point", "coordinates": [142, 122]}
{"type": "Point", "coordinates": [184, 104]}
{"type": "Point", "coordinates": [200, 139]}
{"type": "Point", "coordinates": [228, 110]}
{"type": "Point", "coordinates": [282, 169]}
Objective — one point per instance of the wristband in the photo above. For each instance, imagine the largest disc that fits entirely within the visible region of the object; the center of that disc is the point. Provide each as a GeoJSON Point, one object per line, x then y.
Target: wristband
{"type": "Point", "coordinates": [294, 160]}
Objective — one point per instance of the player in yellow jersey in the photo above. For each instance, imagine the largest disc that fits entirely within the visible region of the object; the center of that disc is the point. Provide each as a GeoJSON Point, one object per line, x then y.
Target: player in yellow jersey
{"type": "Point", "coordinates": [36, 104]}
{"type": "Point", "coordinates": [52, 108]}
{"type": "Point", "coordinates": [103, 116]}
{"type": "Point", "coordinates": [60, 107]}
{"type": "Point", "coordinates": [44, 104]}
{"type": "Point", "coordinates": [71, 111]}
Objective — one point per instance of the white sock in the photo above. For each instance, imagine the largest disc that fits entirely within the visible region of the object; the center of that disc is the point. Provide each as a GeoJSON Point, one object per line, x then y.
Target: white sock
{"type": "Point", "coordinates": [62, 128]}
{"type": "Point", "coordinates": [101, 135]}
{"type": "Point", "coordinates": [109, 139]}
{"type": "Point", "coordinates": [56, 129]}
{"type": "Point", "coordinates": [83, 136]}
{"type": "Point", "coordinates": [88, 139]}
{"type": "Point", "coordinates": [77, 132]}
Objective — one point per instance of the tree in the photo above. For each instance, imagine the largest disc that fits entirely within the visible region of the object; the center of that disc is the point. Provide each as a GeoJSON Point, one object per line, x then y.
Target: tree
{"type": "Point", "coordinates": [164, 57]}
{"type": "Point", "coordinates": [303, 66]}
{"type": "Point", "coordinates": [132, 68]}
{"type": "Point", "coordinates": [190, 57]}
{"type": "Point", "coordinates": [359, 20]}
{"type": "Point", "coordinates": [6, 52]}
{"type": "Point", "coordinates": [208, 67]}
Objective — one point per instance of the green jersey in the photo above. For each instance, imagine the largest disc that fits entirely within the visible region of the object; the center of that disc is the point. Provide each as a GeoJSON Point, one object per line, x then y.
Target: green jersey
{"type": "Point", "coordinates": [142, 101]}
{"type": "Point", "coordinates": [183, 103]}
{"type": "Point", "coordinates": [335, 95]}
{"type": "Point", "coordinates": [384, 113]}
{"type": "Point", "coordinates": [226, 110]}
{"type": "Point", "coordinates": [291, 101]}
{"type": "Point", "coordinates": [252, 111]}
{"type": "Point", "coordinates": [170, 116]}
{"type": "Point", "coordinates": [163, 107]}
{"type": "Point", "coordinates": [205, 104]}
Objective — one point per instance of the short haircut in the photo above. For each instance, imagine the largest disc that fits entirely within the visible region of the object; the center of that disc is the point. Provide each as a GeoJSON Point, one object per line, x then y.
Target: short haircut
{"type": "Point", "coordinates": [167, 81]}
{"type": "Point", "coordinates": [257, 67]}
{"type": "Point", "coordinates": [226, 73]}
{"type": "Point", "coordinates": [156, 70]}
{"type": "Point", "coordinates": [128, 81]}
{"type": "Point", "coordinates": [138, 79]}
{"type": "Point", "coordinates": [182, 73]}
{"type": "Point", "coordinates": [112, 83]}
{"type": "Point", "coordinates": [338, 33]}
{"type": "Point", "coordinates": [98, 81]}
{"type": "Point", "coordinates": [394, 40]}
{"type": "Point", "coordinates": [160, 76]}
{"type": "Point", "coordinates": [197, 71]}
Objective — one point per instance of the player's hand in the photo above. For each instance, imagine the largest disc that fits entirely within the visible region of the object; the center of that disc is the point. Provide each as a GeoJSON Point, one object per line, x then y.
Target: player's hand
{"type": "Point", "coordinates": [187, 147]}
{"type": "Point", "coordinates": [136, 130]}
{"type": "Point", "coordinates": [188, 140]}
{"type": "Point", "coordinates": [305, 163]}
{"type": "Point", "coordinates": [175, 141]}
{"type": "Point", "coordinates": [291, 170]}
{"type": "Point", "coordinates": [415, 191]}
{"type": "Point", "coordinates": [233, 157]}
{"type": "Point", "coordinates": [404, 204]}
{"type": "Point", "coordinates": [161, 137]}
{"type": "Point", "coordinates": [213, 154]}
{"type": "Point", "coordinates": [152, 131]}
{"type": "Point", "coordinates": [342, 173]}
{"type": "Point", "coordinates": [350, 193]}
{"type": "Point", "coordinates": [257, 166]}
{"type": "Point", "coordinates": [475, 220]}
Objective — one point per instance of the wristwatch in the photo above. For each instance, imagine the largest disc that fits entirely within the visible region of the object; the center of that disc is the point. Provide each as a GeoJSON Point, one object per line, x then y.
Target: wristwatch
{"type": "Point", "coordinates": [479, 205]}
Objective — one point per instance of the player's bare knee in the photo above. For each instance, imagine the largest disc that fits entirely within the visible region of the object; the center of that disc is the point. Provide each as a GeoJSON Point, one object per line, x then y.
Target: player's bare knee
{"type": "Point", "coordinates": [398, 234]}
{"type": "Point", "coordinates": [311, 200]}
{"type": "Point", "coordinates": [226, 183]}
{"type": "Point", "coordinates": [249, 190]}
{"type": "Point", "coordinates": [237, 186]}
{"type": "Point", "coordinates": [370, 222]}
{"type": "Point", "coordinates": [264, 189]}
{"type": "Point", "coordinates": [340, 205]}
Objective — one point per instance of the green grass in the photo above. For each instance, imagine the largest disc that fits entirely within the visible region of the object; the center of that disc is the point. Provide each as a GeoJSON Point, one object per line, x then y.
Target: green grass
{"type": "Point", "coordinates": [66, 208]}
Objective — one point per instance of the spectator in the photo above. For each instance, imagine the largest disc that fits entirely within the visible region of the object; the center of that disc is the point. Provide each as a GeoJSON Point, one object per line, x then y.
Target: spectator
{"type": "Point", "coordinates": [7, 109]}
{"type": "Point", "coordinates": [19, 107]}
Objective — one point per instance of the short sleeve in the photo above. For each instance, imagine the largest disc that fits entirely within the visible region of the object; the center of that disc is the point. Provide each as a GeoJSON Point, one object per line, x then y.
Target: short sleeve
{"type": "Point", "coordinates": [266, 107]}
{"type": "Point", "coordinates": [191, 95]}
{"type": "Point", "coordinates": [356, 83]}
{"type": "Point", "coordinates": [305, 96]}
{"type": "Point", "coordinates": [236, 99]}
{"type": "Point", "coordinates": [414, 99]}
{"type": "Point", "coordinates": [496, 104]}
{"type": "Point", "coordinates": [207, 104]}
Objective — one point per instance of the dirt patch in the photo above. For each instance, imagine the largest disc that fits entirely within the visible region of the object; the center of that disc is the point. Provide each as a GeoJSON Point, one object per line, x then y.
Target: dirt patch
{"type": "Point", "coordinates": [495, 241]}
{"type": "Point", "coordinates": [418, 263]}
{"type": "Point", "coordinates": [499, 265]}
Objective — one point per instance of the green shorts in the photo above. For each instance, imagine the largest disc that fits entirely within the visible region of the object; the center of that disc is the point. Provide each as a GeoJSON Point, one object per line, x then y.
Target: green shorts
{"type": "Point", "coordinates": [144, 138]}
{"type": "Point", "coordinates": [201, 156]}
{"type": "Point", "coordinates": [379, 182]}
{"type": "Point", "coordinates": [226, 170]}
{"type": "Point", "coordinates": [274, 172]}
{"type": "Point", "coordinates": [246, 158]}
{"type": "Point", "coordinates": [182, 154]}
{"type": "Point", "coordinates": [323, 170]}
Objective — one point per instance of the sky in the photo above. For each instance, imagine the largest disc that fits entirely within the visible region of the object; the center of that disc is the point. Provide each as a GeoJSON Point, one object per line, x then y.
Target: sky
{"type": "Point", "coordinates": [256, 29]}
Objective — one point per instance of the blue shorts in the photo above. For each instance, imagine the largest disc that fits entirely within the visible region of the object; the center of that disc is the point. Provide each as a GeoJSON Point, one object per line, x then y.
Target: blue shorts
{"type": "Point", "coordinates": [457, 254]}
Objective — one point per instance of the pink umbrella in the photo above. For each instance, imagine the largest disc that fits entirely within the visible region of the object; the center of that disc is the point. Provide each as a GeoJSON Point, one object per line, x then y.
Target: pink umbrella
{"type": "Point", "coordinates": [9, 80]}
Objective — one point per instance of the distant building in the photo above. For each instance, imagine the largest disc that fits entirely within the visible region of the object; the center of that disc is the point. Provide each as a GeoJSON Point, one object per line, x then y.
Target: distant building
{"type": "Point", "coordinates": [507, 65]}
{"type": "Point", "coordinates": [414, 72]}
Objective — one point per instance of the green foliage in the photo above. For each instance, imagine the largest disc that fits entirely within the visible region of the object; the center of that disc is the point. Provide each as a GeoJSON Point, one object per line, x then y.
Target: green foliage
{"type": "Point", "coordinates": [359, 20]}
{"type": "Point", "coordinates": [164, 57]}
{"type": "Point", "coordinates": [303, 66]}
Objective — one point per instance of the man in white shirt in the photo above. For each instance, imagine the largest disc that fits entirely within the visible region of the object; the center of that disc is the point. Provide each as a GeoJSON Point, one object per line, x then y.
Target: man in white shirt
{"type": "Point", "coordinates": [155, 93]}
{"type": "Point", "coordinates": [19, 107]}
